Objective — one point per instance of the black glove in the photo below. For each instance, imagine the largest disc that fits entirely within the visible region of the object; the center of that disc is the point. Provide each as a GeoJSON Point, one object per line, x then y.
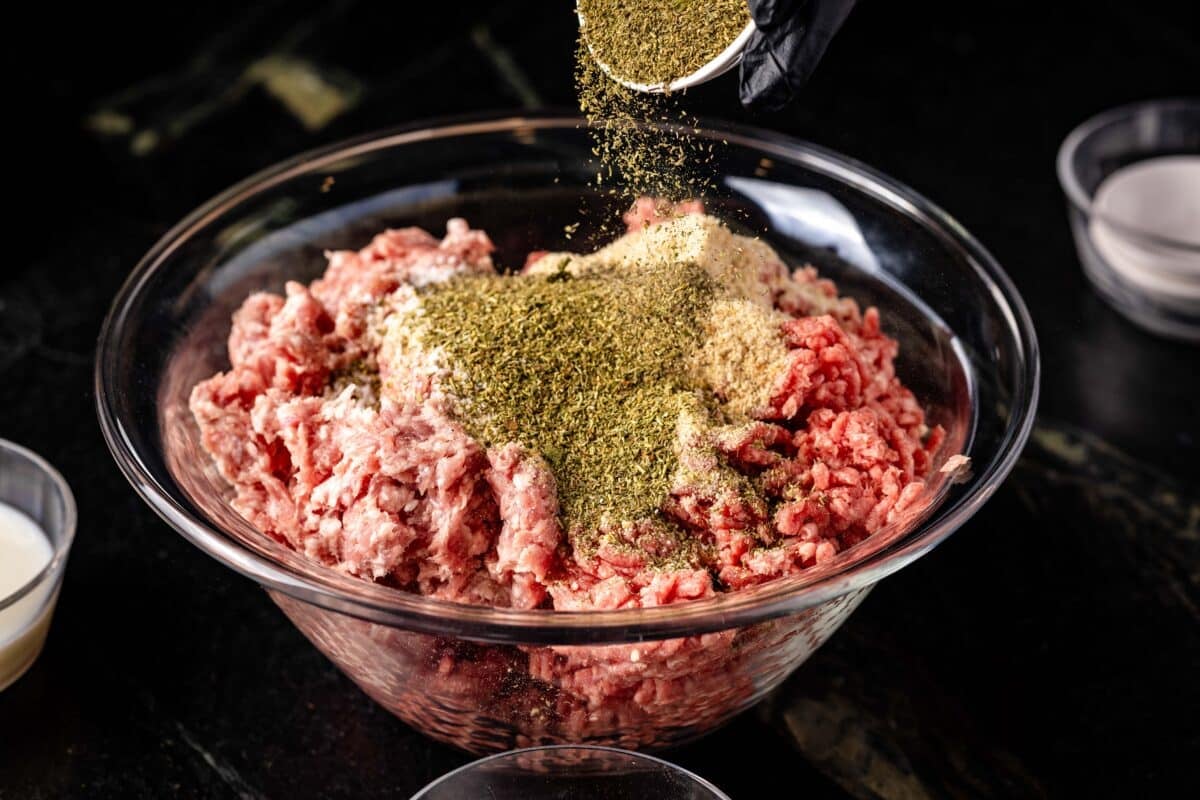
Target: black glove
{"type": "Point", "coordinates": [791, 38]}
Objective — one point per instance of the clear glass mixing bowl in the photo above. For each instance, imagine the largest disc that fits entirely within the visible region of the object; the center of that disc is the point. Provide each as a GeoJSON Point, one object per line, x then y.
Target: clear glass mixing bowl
{"type": "Point", "coordinates": [567, 772]}
{"type": "Point", "coordinates": [491, 679]}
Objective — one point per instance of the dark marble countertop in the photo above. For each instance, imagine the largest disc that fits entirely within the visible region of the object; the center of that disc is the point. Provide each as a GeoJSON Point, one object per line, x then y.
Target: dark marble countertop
{"type": "Point", "coordinates": [1051, 647]}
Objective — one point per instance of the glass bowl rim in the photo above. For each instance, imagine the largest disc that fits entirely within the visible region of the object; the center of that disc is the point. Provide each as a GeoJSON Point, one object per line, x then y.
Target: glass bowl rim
{"type": "Point", "coordinates": [62, 548]}
{"type": "Point", "coordinates": [410, 611]}
{"type": "Point", "coordinates": [1081, 199]}
{"type": "Point", "coordinates": [479, 762]}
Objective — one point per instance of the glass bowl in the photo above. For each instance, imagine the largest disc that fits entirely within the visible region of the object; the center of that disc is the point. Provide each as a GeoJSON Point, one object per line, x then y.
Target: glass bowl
{"type": "Point", "coordinates": [34, 488]}
{"type": "Point", "coordinates": [569, 772]}
{"type": "Point", "coordinates": [1152, 280]}
{"type": "Point", "coordinates": [490, 679]}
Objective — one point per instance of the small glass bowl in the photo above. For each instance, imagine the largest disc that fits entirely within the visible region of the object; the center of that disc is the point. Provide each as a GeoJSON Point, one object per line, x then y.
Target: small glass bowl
{"type": "Point", "coordinates": [1166, 304]}
{"type": "Point", "coordinates": [490, 679]}
{"type": "Point", "coordinates": [568, 772]}
{"type": "Point", "coordinates": [30, 485]}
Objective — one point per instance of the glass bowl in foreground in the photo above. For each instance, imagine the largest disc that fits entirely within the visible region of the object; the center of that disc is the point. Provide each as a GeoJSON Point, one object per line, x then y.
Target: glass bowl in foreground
{"type": "Point", "coordinates": [491, 679]}
{"type": "Point", "coordinates": [566, 772]}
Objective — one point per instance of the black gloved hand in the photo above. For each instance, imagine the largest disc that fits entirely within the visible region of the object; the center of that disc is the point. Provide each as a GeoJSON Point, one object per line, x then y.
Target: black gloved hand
{"type": "Point", "coordinates": [791, 38]}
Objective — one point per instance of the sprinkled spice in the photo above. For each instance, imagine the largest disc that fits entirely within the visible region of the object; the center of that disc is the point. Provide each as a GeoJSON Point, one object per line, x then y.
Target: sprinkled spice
{"type": "Point", "coordinates": [362, 375]}
{"type": "Point", "coordinates": [587, 369]}
{"type": "Point", "coordinates": [655, 42]}
{"type": "Point", "coordinates": [742, 343]}
{"type": "Point", "coordinates": [643, 143]}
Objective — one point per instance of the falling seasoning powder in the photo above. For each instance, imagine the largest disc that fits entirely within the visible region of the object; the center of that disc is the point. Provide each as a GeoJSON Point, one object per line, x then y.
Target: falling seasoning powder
{"type": "Point", "coordinates": [643, 143]}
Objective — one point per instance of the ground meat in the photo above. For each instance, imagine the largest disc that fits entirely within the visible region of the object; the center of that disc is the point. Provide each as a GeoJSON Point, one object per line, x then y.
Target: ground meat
{"type": "Point", "coordinates": [401, 492]}
{"type": "Point", "coordinates": [530, 532]}
{"type": "Point", "coordinates": [356, 280]}
{"type": "Point", "coordinates": [648, 210]}
{"type": "Point", "coordinates": [395, 490]}
{"type": "Point", "coordinates": [398, 492]}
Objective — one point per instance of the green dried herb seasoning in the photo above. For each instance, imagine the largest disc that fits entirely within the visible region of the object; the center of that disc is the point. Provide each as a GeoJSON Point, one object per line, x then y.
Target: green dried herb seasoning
{"type": "Point", "coordinates": [658, 41]}
{"type": "Point", "coordinates": [363, 375]}
{"type": "Point", "coordinates": [586, 369]}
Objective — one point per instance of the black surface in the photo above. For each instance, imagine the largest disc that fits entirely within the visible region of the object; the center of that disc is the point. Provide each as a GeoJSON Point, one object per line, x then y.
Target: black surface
{"type": "Point", "coordinates": [1051, 647]}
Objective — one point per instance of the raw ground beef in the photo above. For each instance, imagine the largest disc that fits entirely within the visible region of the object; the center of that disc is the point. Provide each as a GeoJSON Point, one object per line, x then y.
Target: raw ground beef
{"type": "Point", "coordinates": [399, 492]}
{"type": "Point", "coordinates": [396, 491]}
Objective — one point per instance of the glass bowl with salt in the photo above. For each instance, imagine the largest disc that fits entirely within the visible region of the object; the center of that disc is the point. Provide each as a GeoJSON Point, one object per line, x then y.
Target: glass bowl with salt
{"type": "Point", "coordinates": [1132, 180]}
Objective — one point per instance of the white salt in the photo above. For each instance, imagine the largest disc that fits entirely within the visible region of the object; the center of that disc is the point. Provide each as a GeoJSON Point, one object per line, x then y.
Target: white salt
{"type": "Point", "coordinates": [1146, 225]}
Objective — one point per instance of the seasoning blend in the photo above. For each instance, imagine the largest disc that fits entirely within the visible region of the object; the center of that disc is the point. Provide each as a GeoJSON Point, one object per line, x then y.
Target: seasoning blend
{"type": "Point", "coordinates": [586, 367]}
{"type": "Point", "coordinates": [652, 44]}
